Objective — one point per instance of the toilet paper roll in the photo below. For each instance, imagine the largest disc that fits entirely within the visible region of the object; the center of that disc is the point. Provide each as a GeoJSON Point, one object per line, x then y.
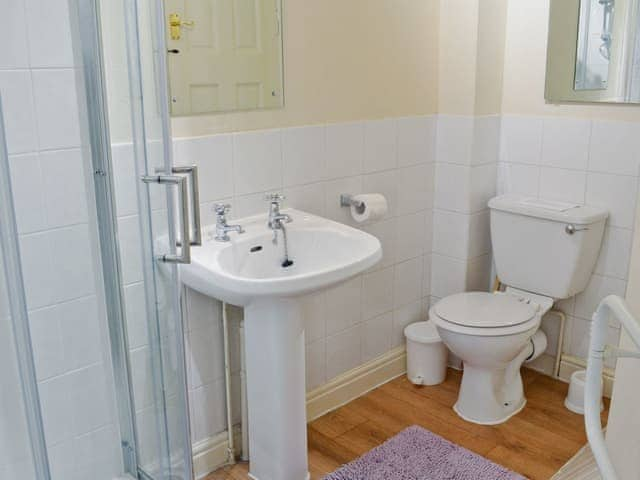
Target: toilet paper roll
{"type": "Point", "coordinates": [374, 207]}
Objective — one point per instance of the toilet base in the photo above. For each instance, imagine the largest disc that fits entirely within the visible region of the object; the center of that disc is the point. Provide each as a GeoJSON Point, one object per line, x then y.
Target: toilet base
{"type": "Point", "coordinates": [486, 398]}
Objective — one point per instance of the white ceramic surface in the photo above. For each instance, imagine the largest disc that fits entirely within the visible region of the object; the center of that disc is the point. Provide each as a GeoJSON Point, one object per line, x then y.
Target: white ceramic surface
{"type": "Point", "coordinates": [324, 253]}
{"type": "Point", "coordinates": [248, 271]}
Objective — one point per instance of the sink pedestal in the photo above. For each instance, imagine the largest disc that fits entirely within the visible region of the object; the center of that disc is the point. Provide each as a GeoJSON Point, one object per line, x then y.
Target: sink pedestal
{"type": "Point", "coordinates": [275, 351]}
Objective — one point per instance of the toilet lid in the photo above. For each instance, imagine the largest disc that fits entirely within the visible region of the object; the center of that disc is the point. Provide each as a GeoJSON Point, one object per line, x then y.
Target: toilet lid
{"type": "Point", "coordinates": [485, 310]}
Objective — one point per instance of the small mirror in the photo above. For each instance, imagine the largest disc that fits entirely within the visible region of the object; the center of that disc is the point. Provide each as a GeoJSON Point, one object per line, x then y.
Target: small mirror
{"type": "Point", "coordinates": [224, 55]}
{"type": "Point", "coordinates": [593, 52]}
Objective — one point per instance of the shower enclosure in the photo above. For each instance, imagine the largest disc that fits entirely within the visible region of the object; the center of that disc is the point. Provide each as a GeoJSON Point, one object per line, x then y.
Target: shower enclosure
{"type": "Point", "coordinates": [93, 219]}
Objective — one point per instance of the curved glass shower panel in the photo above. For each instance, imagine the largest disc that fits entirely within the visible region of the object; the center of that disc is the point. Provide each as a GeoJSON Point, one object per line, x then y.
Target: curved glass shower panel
{"type": "Point", "coordinates": [22, 445]}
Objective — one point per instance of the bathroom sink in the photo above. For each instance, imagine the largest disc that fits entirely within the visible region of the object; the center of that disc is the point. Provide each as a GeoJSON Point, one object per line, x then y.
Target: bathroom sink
{"type": "Point", "coordinates": [249, 266]}
{"type": "Point", "coordinates": [249, 270]}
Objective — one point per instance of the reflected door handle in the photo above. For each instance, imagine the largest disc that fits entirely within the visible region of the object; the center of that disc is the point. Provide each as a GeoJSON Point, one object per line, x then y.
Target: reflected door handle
{"type": "Point", "coordinates": [192, 174]}
{"type": "Point", "coordinates": [175, 51]}
{"type": "Point", "coordinates": [183, 211]}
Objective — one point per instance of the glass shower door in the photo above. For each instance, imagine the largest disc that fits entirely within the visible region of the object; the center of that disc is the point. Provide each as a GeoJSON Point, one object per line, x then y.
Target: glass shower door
{"type": "Point", "coordinates": [23, 451]}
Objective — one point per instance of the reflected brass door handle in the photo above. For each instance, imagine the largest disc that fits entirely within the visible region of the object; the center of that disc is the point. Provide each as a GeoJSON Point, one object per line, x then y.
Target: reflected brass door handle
{"type": "Point", "coordinates": [176, 24]}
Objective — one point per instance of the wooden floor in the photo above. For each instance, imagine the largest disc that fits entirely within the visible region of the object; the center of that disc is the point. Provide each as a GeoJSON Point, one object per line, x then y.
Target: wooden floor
{"type": "Point", "coordinates": [534, 443]}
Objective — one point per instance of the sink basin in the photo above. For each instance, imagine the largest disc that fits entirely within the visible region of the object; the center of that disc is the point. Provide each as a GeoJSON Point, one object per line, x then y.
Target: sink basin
{"type": "Point", "coordinates": [248, 271]}
{"type": "Point", "coordinates": [323, 252]}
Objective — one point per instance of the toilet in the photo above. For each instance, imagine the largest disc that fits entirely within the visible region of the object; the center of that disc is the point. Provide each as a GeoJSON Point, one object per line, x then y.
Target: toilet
{"type": "Point", "coordinates": [543, 251]}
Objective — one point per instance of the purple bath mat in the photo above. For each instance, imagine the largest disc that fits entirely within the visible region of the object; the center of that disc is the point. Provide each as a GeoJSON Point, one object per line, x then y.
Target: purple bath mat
{"type": "Point", "coordinates": [418, 454]}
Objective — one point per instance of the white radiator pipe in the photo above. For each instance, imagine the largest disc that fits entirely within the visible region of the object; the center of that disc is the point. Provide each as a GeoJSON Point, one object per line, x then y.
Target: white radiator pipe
{"type": "Point", "coordinates": [597, 352]}
{"type": "Point", "coordinates": [227, 382]}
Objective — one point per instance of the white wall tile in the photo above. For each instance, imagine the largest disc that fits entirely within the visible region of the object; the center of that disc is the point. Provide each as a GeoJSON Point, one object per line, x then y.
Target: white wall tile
{"type": "Point", "coordinates": [385, 231]}
{"type": "Point", "coordinates": [257, 161]}
{"type": "Point", "coordinates": [615, 148]}
{"type": "Point", "coordinates": [57, 108]}
{"type": "Point", "coordinates": [453, 187]}
{"type": "Point", "coordinates": [64, 187]}
{"type": "Point", "coordinates": [345, 149]}
{"type": "Point", "coordinates": [303, 154]}
{"type": "Point", "coordinates": [49, 32]}
{"type": "Point", "coordinates": [380, 145]}
{"type": "Point", "coordinates": [377, 293]}
{"type": "Point", "coordinates": [80, 329]}
{"type": "Point", "coordinates": [521, 139]}
{"type": "Point", "coordinates": [214, 158]}
{"type": "Point", "coordinates": [415, 189]}
{"type": "Point", "coordinates": [451, 234]}
{"type": "Point", "coordinates": [28, 198]}
{"type": "Point", "coordinates": [124, 179]}
{"type": "Point", "coordinates": [377, 336]}
{"type": "Point", "coordinates": [426, 275]}
{"type": "Point", "coordinates": [615, 253]}
{"type": "Point", "coordinates": [483, 185]}
{"type": "Point", "coordinates": [402, 317]}
{"type": "Point", "coordinates": [385, 183]}
{"type": "Point", "coordinates": [308, 198]}
{"type": "Point", "coordinates": [332, 190]}
{"type": "Point", "coordinates": [564, 185]}
{"type": "Point", "coordinates": [314, 313]}
{"type": "Point", "coordinates": [519, 179]}
{"type": "Point", "coordinates": [416, 140]}
{"type": "Point", "coordinates": [136, 314]}
{"type": "Point", "coordinates": [486, 140]}
{"type": "Point", "coordinates": [13, 36]}
{"type": "Point", "coordinates": [343, 305]}
{"type": "Point", "coordinates": [479, 234]}
{"type": "Point", "coordinates": [37, 269]}
{"type": "Point", "coordinates": [57, 408]}
{"type": "Point", "coordinates": [478, 276]}
{"type": "Point", "coordinates": [598, 288]}
{"type": "Point", "coordinates": [130, 249]}
{"type": "Point", "coordinates": [72, 263]}
{"type": "Point", "coordinates": [410, 240]}
{"type": "Point", "coordinates": [205, 369]}
{"type": "Point", "coordinates": [343, 351]}
{"type": "Point", "coordinates": [615, 193]}
{"type": "Point", "coordinates": [46, 339]}
{"type": "Point", "coordinates": [454, 139]}
{"type": "Point", "coordinates": [19, 113]}
{"type": "Point", "coordinates": [407, 282]}
{"type": "Point", "coordinates": [448, 275]}
{"type": "Point", "coordinates": [566, 143]}
{"type": "Point", "coordinates": [316, 354]}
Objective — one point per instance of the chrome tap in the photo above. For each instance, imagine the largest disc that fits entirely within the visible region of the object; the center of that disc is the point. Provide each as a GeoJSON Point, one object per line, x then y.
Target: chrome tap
{"type": "Point", "coordinates": [222, 229]}
{"type": "Point", "coordinates": [276, 222]}
{"type": "Point", "coordinates": [276, 219]}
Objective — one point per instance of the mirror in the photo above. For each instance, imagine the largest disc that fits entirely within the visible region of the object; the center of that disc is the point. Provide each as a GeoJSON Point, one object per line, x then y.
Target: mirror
{"type": "Point", "coordinates": [224, 55]}
{"type": "Point", "coordinates": [593, 54]}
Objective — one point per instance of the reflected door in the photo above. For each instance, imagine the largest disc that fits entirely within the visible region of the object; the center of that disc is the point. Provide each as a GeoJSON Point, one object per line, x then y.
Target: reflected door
{"type": "Point", "coordinates": [221, 55]}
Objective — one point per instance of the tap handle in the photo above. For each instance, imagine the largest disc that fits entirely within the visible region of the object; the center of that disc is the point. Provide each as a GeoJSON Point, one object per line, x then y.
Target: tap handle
{"type": "Point", "coordinates": [274, 197]}
{"type": "Point", "coordinates": [221, 208]}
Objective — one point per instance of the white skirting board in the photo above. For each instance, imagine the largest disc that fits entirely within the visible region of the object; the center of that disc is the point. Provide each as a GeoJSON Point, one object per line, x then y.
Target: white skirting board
{"type": "Point", "coordinates": [210, 454]}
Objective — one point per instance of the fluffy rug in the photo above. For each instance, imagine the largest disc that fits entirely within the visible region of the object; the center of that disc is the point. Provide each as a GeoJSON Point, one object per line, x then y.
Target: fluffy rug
{"type": "Point", "coordinates": [418, 454]}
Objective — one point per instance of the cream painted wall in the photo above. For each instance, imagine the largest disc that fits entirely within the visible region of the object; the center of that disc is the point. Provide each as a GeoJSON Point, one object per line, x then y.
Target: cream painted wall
{"type": "Point", "coordinates": [355, 60]}
{"type": "Point", "coordinates": [525, 68]}
{"type": "Point", "coordinates": [471, 56]}
{"type": "Point", "coordinates": [623, 432]}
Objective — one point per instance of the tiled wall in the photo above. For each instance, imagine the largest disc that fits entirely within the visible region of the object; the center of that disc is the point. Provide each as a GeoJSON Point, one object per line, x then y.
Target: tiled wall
{"type": "Point", "coordinates": [363, 318]}
{"type": "Point", "coordinates": [436, 238]}
{"type": "Point", "coordinates": [38, 85]}
{"type": "Point", "coordinates": [587, 162]}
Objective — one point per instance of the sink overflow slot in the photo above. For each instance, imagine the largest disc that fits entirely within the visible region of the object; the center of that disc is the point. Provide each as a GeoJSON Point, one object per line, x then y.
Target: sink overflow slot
{"type": "Point", "coordinates": [255, 249]}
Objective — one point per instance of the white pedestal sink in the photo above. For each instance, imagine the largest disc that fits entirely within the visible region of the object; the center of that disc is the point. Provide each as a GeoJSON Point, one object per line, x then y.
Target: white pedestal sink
{"type": "Point", "coordinates": [247, 271]}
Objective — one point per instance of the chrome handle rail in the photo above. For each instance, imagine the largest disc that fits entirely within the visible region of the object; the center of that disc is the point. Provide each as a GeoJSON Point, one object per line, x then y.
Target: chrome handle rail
{"type": "Point", "coordinates": [181, 183]}
{"type": "Point", "coordinates": [192, 172]}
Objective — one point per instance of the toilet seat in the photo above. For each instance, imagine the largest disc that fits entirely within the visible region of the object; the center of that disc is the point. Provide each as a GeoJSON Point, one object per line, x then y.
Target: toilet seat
{"type": "Point", "coordinates": [481, 313]}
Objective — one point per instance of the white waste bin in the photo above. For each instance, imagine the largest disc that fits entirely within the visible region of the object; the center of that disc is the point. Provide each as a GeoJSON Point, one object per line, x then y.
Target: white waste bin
{"type": "Point", "coordinates": [575, 396]}
{"type": "Point", "coordinates": [426, 354]}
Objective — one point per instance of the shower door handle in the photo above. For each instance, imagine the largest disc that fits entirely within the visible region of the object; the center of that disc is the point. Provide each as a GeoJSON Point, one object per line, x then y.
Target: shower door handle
{"type": "Point", "coordinates": [183, 213]}
{"type": "Point", "coordinates": [192, 172]}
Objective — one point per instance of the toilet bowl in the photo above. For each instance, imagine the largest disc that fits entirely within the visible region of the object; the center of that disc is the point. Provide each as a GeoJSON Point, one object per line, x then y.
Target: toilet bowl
{"type": "Point", "coordinates": [493, 334]}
